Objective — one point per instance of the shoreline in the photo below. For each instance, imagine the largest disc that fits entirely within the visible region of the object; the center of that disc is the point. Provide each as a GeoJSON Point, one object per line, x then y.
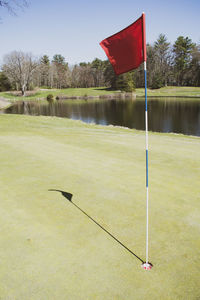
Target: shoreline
{"type": "Point", "coordinates": [6, 102]}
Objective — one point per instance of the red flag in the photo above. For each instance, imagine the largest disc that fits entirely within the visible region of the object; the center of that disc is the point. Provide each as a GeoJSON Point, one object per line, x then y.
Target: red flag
{"type": "Point", "coordinates": [126, 50]}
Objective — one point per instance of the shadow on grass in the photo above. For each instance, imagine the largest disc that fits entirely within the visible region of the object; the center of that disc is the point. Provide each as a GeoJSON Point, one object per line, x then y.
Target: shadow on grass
{"type": "Point", "coordinates": [69, 196]}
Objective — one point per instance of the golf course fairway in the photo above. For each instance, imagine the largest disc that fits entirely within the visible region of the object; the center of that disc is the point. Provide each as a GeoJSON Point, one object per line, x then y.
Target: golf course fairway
{"type": "Point", "coordinates": [50, 250]}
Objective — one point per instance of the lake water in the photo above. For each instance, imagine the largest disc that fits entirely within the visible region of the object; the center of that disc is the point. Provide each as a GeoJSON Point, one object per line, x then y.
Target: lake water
{"type": "Point", "coordinates": [165, 115]}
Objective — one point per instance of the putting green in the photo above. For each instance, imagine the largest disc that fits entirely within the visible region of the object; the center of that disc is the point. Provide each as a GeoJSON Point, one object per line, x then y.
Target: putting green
{"type": "Point", "coordinates": [50, 250]}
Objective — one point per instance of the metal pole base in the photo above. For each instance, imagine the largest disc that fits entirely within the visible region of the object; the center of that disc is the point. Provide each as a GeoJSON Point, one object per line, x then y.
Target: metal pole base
{"type": "Point", "coordinates": [147, 266]}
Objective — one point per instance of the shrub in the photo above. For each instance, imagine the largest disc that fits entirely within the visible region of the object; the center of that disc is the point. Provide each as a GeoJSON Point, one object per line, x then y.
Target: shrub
{"type": "Point", "coordinates": [4, 83]}
{"type": "Point", "coordinates": [50, 97]}
{"type": "Point", "coordinates": [125, 82]}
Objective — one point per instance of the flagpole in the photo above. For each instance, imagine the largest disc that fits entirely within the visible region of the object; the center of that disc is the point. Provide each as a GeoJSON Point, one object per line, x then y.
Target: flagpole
{"type": "Point", "coordinates": [147, 167]}
{"type": "Point", "coordinates": [126, 50]}
{"type": "Point", "coordinates": [147, 265]}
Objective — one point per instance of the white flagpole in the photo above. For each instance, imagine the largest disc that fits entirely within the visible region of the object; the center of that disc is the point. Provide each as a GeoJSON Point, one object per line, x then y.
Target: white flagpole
{"type": "Point", "coordinates": [147, 265]}
{"type": "Point", "coordinates": [147, 167]}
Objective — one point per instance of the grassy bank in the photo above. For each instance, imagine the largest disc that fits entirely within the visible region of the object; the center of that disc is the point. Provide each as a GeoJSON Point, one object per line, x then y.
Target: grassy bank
{"type": "Point", "coordinates": [171, 91]}
{"type": "Point", "coordinates": [87, 92]}
{"type": "Point", "coordinates": [79, 92]}
{"type": "Point", "coordinates": [50, 250]}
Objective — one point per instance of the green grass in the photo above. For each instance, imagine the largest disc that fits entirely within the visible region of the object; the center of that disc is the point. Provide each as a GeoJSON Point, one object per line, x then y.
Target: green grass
{"type": "Point", "coordinates": [172, 91]}
{"type": "Point", "coordinates": [82, 92]}
{"type": "Point", "coordinates": [50, 250]}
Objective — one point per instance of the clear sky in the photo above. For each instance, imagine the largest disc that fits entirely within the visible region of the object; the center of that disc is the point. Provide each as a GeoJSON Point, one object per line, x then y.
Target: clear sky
{"type": "Point", "coordinates": [75, 28]}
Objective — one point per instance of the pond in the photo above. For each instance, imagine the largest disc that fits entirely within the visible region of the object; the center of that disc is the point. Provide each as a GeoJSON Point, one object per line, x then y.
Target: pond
{"type": "Point", "coordinates": [176, 115]}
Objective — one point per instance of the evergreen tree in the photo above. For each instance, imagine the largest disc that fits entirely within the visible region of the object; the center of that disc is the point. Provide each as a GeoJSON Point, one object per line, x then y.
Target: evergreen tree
{"type": "Point", "coordinates": [4, 83]}
{"type": "Point", "coordinates": [157, 80]}
{"type": "Point", "coordinates": [98, 67]}
{"type": "Point", "coordinates": [161, 47]}
{"type": "Point", "coordinates": [58, 59]}
{"type": "Point", "coordinates": [83, 64]}
{"type": "Point", "coordinates": [193, 73]}
{"type": "Point", "coordinates": [60, 71]}
{"type": "Point", "coordinates": [45, 60]}
{"type": "Point", "coordinates": [124, 82]}
{"type": "Point", "coordinates": [151, 66]}
{"type": "Point", "coordinates": [182, 50]}
{"type": "Point", "coordinates": [109, 75]}
{"type": "Point", "coordinates": [44, 71]}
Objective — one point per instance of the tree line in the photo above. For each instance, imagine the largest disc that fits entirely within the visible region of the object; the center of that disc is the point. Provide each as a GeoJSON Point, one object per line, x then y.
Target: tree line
{"type": "Point", "coordinates": [177, 64]}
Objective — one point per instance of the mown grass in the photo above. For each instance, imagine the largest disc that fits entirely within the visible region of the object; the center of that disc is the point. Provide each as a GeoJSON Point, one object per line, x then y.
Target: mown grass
{"type": "Point", "coordinates": [171, 91]}
{"type": "Point", "coordinates": [50, 250]}
{"type": "Point", "coordinates": [84, 92]}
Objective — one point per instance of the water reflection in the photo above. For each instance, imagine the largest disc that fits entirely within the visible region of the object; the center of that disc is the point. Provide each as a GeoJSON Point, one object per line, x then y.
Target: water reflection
{"type": "Point", "coordinates": [164, 115]}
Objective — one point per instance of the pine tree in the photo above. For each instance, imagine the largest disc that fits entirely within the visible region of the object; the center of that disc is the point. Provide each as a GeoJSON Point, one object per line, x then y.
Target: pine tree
{"type": "Point", "coordinates": [161, 48]}
{"type": "Point", "coordinates": [182, 49]}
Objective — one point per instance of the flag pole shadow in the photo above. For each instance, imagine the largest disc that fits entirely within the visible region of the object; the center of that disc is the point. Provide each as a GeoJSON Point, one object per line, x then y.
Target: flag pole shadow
{"type": "Point", "coordinates": [69, 196]}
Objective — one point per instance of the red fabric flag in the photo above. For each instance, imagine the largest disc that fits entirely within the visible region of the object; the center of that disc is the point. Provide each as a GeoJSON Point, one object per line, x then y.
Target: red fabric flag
{"type": "Point", "coordinates": [126, 50]}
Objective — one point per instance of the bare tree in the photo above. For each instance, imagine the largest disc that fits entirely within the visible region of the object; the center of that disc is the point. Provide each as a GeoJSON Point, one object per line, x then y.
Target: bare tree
{"type": "Point", "coordinates": [13, 5]}
{"type": "Point", "coordinates": [86, 78]}
{"type": "Point", "coordinates": [19, 68]}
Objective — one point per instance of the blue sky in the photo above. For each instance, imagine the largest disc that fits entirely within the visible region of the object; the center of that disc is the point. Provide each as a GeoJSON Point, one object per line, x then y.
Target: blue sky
{"type": "Point", "coordinates": [75, 28]}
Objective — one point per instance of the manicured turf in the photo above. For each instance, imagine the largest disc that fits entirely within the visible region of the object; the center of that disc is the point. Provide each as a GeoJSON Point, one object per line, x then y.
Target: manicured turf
{"type": "Point", "coordinates": [50, 250]}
